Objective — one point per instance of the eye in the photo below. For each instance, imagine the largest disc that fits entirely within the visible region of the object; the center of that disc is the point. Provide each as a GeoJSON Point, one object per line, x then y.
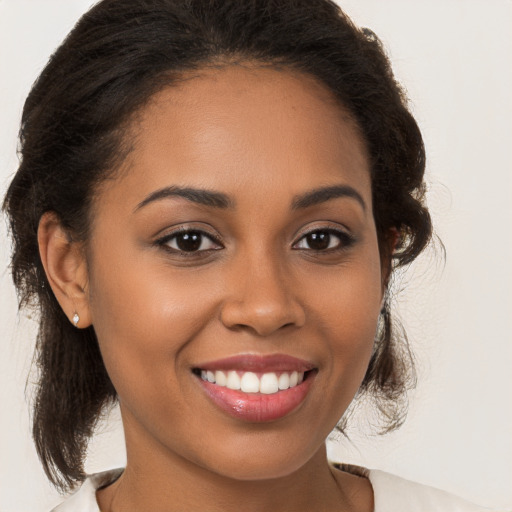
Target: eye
{"type": "Point", "coordinates": [189, 241]}
{"type": "Point", "coordinates": [325, 240]}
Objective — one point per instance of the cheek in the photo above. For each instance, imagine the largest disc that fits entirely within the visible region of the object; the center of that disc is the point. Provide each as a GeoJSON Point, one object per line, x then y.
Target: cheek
{"type": "Point", "coordinates": [143, 320]}
{"type": "Point", "coordinates": [347, 298]}
{"type": "Point", "coordinates": [346, 312]}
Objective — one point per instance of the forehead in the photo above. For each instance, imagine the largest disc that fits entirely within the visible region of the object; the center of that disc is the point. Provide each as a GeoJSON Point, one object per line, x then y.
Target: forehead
{"type": "Point", "coordinates": [242, 127]}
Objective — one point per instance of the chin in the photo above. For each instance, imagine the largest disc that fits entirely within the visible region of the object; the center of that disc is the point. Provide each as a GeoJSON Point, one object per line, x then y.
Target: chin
{"type": "Point", "coordinates": [263, 459]}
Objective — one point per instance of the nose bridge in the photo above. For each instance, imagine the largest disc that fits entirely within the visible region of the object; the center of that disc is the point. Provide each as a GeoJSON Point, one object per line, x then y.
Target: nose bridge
{"type": "Point", "coordinates": [261, 294]}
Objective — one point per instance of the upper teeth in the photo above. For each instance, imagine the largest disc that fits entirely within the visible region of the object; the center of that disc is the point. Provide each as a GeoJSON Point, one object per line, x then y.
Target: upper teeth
{"type": "Point", "coordinates": [249, 382]}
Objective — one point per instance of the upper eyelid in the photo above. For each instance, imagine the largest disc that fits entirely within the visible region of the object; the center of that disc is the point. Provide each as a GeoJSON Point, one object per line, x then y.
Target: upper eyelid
{"type": "Point", "coordinates": [328, 227]}
{"type": "Point", "coordinates": [186, 228]}
{"type": "Point", "coordinates": [182, 229]}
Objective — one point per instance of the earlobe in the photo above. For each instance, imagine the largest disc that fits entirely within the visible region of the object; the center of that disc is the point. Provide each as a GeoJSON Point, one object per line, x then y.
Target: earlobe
{"type": "Point", "coordinates": [66, 270]}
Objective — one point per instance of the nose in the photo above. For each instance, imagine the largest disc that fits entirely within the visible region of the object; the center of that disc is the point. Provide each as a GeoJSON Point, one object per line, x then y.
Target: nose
{"type": "Point", "coordinates": [261, 299]}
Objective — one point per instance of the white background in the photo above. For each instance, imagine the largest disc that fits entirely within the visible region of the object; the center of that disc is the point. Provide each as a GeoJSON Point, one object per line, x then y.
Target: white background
{"type": "Point", "coordinates": [454, 56]}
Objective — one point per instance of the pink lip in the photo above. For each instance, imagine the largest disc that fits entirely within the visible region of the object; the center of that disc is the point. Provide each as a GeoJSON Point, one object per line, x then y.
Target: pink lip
{"type": "Point", "coordinates": [259, 363]}
{"type": "Point", "coordinates": [258, 407]}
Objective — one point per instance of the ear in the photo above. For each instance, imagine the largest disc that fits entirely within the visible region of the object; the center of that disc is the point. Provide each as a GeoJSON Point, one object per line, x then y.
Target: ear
{"type": "Point", "coordinates": [66, 269]}
{"type": "Point", "coordinates": [389, 245]}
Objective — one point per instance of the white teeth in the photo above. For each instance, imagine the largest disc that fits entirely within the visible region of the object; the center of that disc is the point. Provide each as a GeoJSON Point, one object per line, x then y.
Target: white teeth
{"type": "Point", "coordinates": [249, 382]}
{"type": "Point", "coordinates": [220, 378]}
{"type": "Point", "coordinates": [233, 381]}
{"type": "Point", "coordinates": [284, 381]}
{"type": "Point", "coordinates": [269, 384]}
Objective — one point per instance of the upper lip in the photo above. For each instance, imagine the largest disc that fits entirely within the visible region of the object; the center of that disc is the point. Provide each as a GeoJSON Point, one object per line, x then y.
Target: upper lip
{"type": "Point", "coordinates": [259, 363]}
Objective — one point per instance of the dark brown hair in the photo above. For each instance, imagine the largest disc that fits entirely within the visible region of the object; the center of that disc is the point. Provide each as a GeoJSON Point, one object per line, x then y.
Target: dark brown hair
{"type": "Point", "coordinates": [118, 55]}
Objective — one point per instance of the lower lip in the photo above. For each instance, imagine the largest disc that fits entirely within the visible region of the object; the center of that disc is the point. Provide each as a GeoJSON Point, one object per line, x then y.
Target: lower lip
{"type": "Point", "coordinates": [258, 407]}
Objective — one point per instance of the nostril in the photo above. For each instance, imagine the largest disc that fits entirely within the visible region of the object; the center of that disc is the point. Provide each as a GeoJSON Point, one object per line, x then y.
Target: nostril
{"type": "Point", "coordinates": [263, 317]}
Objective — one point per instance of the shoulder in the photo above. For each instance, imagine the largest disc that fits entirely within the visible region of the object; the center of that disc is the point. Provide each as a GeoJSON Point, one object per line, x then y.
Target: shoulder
{"type": "Point", "coordinates": [84, 500]}
{"type": "Point", "coordinates": [392, 493]}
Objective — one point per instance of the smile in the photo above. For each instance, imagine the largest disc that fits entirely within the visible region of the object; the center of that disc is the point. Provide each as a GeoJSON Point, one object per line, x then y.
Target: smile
{"type": "Point", "coordinates": [257, 388]}
{"type": "Point", "coordinates": [250, 382]}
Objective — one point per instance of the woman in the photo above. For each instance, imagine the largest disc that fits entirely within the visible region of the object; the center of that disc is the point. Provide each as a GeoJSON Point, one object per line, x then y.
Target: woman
{"type": "Point", "coordinates": [211, 201]}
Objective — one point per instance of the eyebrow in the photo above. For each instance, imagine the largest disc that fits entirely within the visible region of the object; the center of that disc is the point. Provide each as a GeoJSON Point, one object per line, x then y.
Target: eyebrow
{"type": "Point", "coordinates": [216, 199]}
{"type": "Point", "coordinates": [205, 197]}
{"type": "Point", "coordinates": [323, 194]}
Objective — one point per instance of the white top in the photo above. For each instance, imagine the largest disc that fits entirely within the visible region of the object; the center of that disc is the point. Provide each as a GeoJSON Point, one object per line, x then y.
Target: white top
{"type": "Point", "coordinates": [391, 494]}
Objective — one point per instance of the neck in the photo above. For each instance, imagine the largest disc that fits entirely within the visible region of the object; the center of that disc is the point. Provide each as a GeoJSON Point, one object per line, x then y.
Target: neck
{"type": "Point", "coordinates": [160, 480]}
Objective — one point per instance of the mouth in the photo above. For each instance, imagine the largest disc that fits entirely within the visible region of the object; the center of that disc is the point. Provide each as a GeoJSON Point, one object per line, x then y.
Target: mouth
{"type": "Point", "coordinates": [257, 388]}
{"type": "Point", "coordinates": [266, 383]}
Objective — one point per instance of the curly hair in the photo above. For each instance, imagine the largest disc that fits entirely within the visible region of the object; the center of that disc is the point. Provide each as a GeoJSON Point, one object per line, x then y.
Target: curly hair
{"type": "Point", "coordinates": [116, 58]}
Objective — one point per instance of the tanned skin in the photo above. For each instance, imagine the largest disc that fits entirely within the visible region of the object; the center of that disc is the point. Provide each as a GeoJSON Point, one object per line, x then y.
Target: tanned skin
{"type": "Point", "coordinates": [259, 140]}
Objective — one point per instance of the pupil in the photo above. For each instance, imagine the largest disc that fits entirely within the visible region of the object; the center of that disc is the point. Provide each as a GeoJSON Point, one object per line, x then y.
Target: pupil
{"type": "Point", "coordinates": [189, 241]}
{"type": "Point", "coordinates": [319, 240]}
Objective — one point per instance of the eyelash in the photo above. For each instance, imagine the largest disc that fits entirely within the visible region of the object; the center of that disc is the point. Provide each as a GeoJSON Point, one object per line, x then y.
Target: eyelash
{"type": "Point", "coordinates": [346, 240]}
{"type": "Point", "coordinates": [164, 241]}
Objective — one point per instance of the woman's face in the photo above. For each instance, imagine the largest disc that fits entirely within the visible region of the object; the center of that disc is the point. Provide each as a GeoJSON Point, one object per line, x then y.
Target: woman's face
{"type": "Point", "coordinates": [237, 243]}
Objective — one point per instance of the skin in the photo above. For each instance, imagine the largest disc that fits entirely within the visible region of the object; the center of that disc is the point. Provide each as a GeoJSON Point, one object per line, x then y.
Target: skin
{"type": "Point", "coordinates": [262, 137]}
